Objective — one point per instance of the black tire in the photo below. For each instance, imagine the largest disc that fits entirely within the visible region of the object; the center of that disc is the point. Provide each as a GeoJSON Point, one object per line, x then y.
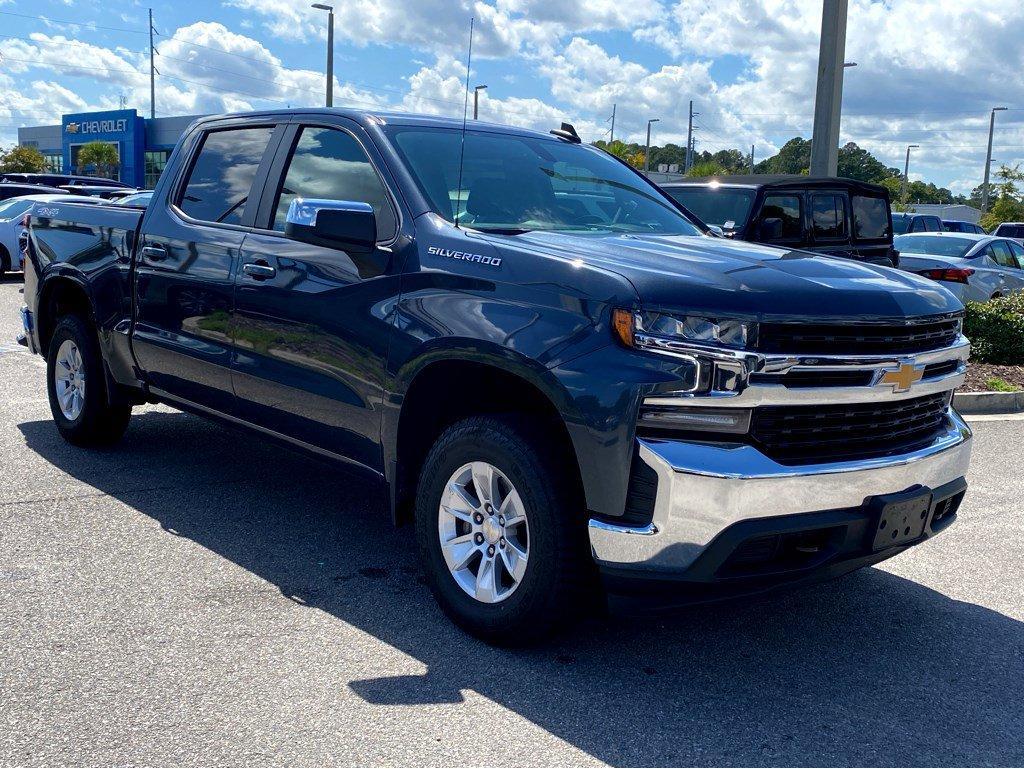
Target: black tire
{"type": "Point", "coordinates": [99, 423]}
{"type": "Point", "coordinates": [553, 589]}
{"type": "Point", "coordinates": [5, 261]}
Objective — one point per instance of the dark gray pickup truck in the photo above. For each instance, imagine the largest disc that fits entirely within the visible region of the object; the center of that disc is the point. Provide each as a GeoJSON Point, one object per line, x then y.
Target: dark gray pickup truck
{"type": "Point", "coordinates": [562, 381]}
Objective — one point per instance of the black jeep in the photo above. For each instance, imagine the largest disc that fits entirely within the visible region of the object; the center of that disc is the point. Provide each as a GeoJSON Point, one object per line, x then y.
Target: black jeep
{"type": "Point", "coordinates": [831, 215]}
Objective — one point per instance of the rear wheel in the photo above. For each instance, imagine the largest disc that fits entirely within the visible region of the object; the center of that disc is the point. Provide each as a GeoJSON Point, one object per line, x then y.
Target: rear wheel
{"type": "Point", "coordinates": [501, 541]}
{"type": "Point", "coordinates": [77, 387]}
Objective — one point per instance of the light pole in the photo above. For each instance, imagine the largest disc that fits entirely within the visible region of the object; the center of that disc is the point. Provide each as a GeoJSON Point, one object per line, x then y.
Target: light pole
{"type": "Point", "coordinates": [988, 157]}
{"type": "Point", "coordinates": [828, 96]}
{"type": "Point", "coordinates": [906, 173]}
{"type": "Point", "coordinates": [476, 100]}
{"type": "Point", "coordinates": [647, 152]}
{"type": "Point", "coordinates": [330, 50]}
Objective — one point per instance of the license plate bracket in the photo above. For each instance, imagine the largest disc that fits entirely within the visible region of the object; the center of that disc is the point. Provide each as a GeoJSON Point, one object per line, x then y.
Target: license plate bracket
{"type": "Point", "coordinates": [901, 518]}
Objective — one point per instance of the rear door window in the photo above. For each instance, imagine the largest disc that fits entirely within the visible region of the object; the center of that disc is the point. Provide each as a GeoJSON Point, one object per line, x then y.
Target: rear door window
{"type": "Point", "coordinates": [222, 175]}
{"type": "Point", "coordinates": [828, 216]}
{"type": "Point", "coordinates": [1018, 253]}
{"type": "Point", "coordinates": [1002, 254]}
{"type": "Point", "coordinates": [788, 209]}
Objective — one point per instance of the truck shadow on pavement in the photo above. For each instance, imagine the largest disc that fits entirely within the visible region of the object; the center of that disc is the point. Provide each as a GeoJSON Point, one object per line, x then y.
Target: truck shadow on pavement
{"type": "Point", "coordinates": [870, 670]}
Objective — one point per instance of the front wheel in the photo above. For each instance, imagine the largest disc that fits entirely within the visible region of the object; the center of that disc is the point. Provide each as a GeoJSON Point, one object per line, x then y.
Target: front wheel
{"type": "Point", "coordinates": [501, 541]}
{"type": "Point", "coordinates": [77, 387]}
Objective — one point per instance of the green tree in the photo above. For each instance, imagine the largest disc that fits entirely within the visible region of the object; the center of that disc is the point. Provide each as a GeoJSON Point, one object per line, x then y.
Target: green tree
{"type": "Point", "coordinates": [101, 156]}
{"type": "Point", "coordinates": [793, 158]}
{"type": "Point", "coordinates": [857, 163]}
{"type": "Point", "coordinates": [706, 168]}
{"type": "Point", "coordinates": [1009, 204]}
{"type": "Point", "coordinates": [22, 159]}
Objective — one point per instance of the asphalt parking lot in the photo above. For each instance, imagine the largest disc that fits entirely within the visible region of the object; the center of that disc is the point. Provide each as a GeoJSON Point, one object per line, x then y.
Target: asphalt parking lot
{"type": "Point", "coordinates": [197, 596]}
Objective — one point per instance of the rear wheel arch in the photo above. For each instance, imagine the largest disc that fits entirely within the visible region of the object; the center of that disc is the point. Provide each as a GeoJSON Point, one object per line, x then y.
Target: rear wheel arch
{"type": "Point", "coordinates": [446, 391]}
{"type": "Point", "coordinates": [58, 297]}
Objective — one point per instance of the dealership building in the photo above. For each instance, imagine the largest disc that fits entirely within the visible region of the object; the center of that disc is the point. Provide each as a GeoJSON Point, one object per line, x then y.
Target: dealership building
{"type": "Point", "coordinates": [143, 145]}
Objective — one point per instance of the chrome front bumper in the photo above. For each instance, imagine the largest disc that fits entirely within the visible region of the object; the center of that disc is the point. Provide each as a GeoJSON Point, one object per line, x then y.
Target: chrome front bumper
{"type": "Point", "coordinates": [703, 489]}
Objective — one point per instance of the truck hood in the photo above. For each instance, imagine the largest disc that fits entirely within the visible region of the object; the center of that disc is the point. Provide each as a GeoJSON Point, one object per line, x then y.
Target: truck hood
{"type": "Point", "coordinates": [720, 277]}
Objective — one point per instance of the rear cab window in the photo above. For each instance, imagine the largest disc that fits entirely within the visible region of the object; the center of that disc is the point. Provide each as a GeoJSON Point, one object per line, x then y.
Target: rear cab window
{"type": "Point", "coordinates": [220, 181]}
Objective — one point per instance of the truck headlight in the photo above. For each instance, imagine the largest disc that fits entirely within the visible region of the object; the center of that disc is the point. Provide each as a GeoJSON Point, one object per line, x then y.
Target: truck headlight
{"type": "Point", "coordinates": [659, 331]}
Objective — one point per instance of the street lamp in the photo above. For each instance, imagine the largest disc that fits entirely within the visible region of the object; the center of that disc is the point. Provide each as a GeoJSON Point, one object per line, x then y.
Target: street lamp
{"type": "Point", "coordinates": [330, 50]}
{"type": "Point", "coordinates": [988, 157]}
{"type": "Point", "coordinates": [647, 152]}
{"type": "Point", "coordinates": [476, 100]}
{"type": "Point", "coordinates": [906, 173]}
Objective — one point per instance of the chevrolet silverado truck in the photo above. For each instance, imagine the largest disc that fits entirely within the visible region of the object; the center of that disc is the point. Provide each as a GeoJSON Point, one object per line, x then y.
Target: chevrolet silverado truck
{"type": "Point", "coordinates": [567, 386]}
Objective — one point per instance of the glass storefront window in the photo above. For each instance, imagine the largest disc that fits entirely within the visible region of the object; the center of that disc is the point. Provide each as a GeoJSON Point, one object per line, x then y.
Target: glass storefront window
{"type": "Point", "coordinates": [156, 161]}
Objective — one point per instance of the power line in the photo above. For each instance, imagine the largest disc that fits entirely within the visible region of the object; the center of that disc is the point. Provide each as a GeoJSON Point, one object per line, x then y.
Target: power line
{"type": "Point", "coordinates": [86, 24]}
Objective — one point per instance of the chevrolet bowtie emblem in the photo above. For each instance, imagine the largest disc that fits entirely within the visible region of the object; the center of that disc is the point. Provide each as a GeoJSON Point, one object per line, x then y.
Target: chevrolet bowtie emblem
{"type": "Point", "coordinates": [903, 377]}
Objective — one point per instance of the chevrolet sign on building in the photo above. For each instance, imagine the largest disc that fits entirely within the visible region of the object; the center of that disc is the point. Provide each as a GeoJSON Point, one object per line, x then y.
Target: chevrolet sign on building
{"type": "Point", "coordinates": [143, 146]}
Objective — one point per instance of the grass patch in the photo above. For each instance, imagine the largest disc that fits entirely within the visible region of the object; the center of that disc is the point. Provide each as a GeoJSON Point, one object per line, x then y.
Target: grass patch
{"type": "Point", "coordinates": [1000, 385]}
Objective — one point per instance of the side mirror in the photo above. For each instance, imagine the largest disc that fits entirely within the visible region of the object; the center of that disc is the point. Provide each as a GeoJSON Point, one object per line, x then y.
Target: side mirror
{"type": "Point", "coordinates": [770, 229]}
{"type": "Point", "coordinates": [717, 231]}
{"type": "Point", "coordinates": [345, 224]}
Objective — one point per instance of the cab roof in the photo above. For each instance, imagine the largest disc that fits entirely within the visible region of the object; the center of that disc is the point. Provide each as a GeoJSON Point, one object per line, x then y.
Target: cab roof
{"type": "Point", "coordinates": [369, 118]}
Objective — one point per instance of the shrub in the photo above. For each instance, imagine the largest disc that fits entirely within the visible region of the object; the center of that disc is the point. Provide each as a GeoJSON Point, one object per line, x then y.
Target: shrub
{"type": "Point", "coordinates": [996, 330]}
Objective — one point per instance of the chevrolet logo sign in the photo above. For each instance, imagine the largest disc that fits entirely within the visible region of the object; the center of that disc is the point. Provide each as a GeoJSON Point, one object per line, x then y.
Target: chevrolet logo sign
{"type": "Point", "coordinates": [71, 128]}
{"type": "Point", "coordinates": [903, 377]}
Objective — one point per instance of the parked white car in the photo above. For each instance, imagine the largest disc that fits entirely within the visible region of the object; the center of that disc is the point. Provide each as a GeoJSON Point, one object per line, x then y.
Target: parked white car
{"type": "Point", "coordinates": [974, 267]}
{"type": "Point", "coordinates": [12, 214]}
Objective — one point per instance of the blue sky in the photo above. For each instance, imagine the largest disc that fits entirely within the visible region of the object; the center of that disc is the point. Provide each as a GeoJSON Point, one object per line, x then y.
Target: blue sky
{"type": "Point", "coordinates": [928, 70]}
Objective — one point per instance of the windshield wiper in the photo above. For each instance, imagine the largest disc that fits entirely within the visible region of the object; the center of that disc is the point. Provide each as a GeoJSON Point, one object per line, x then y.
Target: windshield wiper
{"type": "Point", "coordinates": [501, 230]}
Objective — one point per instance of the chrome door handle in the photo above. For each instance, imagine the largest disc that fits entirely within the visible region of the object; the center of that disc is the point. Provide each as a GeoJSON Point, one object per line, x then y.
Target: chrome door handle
{"type": "Point", "coordinates": [258, 271]}
{"type": "Point", "coordinates": [154, 253]}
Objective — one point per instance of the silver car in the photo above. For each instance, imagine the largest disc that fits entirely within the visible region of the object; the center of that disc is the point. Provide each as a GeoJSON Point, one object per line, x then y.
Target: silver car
{"type": "Point", "coordinates": [974, 267]}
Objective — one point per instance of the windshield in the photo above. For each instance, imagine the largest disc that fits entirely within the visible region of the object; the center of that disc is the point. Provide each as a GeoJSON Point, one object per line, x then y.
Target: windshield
{"type": "Point", "coordinates": [728, 208]}
{"type": "Point", "coordinates": [933, 245]}
{"type": "Point", "coordinates": [14, 207]}
{"type": "Point", "coordinates": [520, 183]}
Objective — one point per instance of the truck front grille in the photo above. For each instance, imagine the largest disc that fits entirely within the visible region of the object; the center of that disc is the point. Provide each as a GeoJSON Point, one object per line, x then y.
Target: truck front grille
{"type": "Point", "coordinates": [813, 434]}
{"type": "Point", "coordinates": [850, 339]}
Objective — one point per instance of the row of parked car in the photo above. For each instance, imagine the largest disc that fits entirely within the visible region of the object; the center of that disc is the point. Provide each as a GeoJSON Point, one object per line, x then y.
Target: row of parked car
{"type": "Point", "coordinates": [21, 193]}
{"type": "Point", "coordinates": [853, 219]}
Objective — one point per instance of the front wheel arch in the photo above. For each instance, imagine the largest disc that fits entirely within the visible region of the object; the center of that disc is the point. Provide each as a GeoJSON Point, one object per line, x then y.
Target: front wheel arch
{"type": "Point", "coordinates": [447, 391]}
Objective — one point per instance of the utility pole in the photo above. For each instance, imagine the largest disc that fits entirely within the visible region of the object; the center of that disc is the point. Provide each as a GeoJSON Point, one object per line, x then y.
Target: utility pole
{"type": "Point", "coordinates": [476, 101]}
{"type": "Point", "coordinates": [906, 173]}
{"type": "Point", "coordinates": [751, 159]}
{"type": "Point", "coordinates": [647, 152]}
{"type": "Point", "coordinates": [330, 50]}
{"type": "Point", "coordinates": [988, 157]}
{"type": "Point", "coordinates": [152, 70]}
{"type": "Point", "coordinates": [611, 136]}
{"type": "Point", "coordinates": [828, 98]}
{"type": "Point", "coordinates": [689, 142]}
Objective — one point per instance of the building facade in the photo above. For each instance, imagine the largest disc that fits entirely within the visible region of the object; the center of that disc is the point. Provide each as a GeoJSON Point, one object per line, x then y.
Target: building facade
{"type": "Point", "coordinates": [143, 145]}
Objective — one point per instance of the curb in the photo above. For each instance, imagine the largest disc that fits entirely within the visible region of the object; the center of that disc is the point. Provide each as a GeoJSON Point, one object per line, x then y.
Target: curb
{"type": "Point", "coordinates": [989, 403]}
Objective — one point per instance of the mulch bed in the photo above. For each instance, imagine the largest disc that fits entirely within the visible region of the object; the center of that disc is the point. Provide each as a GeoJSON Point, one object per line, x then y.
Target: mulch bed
{"type": "Point", "coordinates": [979, 373]}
